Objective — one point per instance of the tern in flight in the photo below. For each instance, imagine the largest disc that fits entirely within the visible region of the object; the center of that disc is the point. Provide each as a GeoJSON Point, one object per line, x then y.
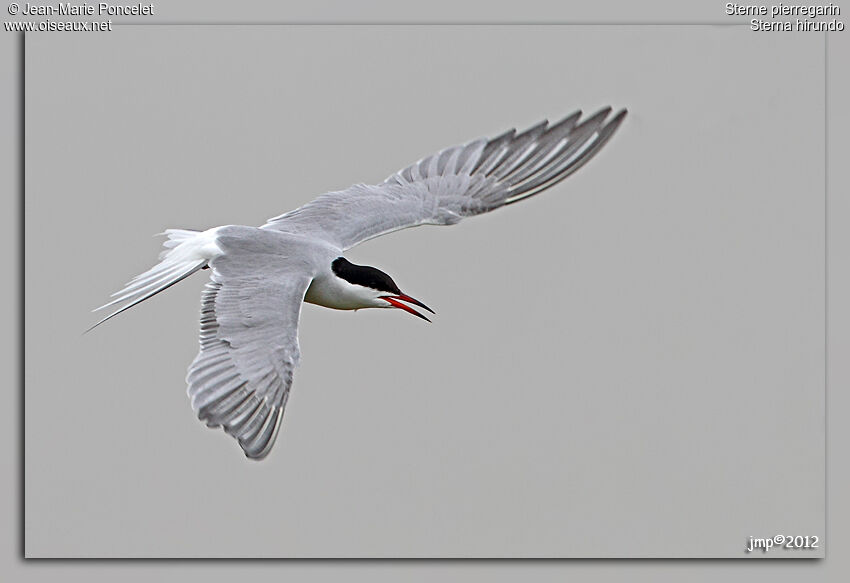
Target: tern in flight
{"type": "Point", "coordinates": [241, 377]}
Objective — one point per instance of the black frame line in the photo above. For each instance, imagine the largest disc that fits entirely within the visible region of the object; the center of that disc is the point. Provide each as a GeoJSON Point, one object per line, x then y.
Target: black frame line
{"type": "Point", "coordinates": [21, 270]}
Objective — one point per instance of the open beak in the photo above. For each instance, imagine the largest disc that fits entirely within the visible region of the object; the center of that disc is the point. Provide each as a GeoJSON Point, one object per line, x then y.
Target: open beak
{"type": "Point", "coordinates": [396, 302]}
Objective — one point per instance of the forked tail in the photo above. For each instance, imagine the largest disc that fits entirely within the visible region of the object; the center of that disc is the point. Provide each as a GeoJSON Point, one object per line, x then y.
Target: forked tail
{"type": "Point", "coordinates": [186, 252]}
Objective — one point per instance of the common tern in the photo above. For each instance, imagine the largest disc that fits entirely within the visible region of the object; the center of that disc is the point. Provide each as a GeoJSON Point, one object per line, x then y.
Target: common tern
{"type": "Point", "coordinates": [241, 377]}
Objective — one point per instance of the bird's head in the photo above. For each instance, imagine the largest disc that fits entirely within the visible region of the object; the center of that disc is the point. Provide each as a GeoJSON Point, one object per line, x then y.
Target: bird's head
{"type": "Point", "coordinates": [374, 288]}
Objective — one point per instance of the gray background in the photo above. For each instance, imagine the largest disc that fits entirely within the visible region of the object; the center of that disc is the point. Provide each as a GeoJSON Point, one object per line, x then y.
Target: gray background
{"type": "Point", "coordinates": [630, 390]}
{"type": "Point", "coordinates": [838, 289]}
{"type": "Point", "coordinates": [630, 365]}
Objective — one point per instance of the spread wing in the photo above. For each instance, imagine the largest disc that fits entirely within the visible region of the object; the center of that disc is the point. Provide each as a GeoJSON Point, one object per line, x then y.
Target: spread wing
{"type": "Point", "coordinates": [241, 377]}
{"type": "Point", "coordinates": [457, 182]}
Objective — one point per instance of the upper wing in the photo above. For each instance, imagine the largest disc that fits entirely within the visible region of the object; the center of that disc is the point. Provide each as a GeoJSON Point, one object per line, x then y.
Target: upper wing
{"type": "Point", "coordinates": [249, 343]}
{"type": "Point", "coordinates": [457, 182]}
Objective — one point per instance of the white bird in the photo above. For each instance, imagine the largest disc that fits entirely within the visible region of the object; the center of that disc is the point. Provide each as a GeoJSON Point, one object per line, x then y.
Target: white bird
{"type": "Point", "coordinates": [241, 377]}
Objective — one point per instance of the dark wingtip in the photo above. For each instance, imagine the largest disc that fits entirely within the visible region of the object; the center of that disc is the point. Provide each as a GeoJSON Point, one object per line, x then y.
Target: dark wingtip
{"type": "Point", "coordinates": [617, 119]}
